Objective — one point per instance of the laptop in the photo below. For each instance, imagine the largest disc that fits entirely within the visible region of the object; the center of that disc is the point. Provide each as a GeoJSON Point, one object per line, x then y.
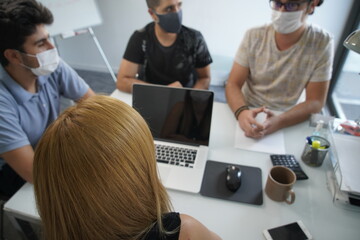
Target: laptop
{"type": "Point", "coordinates": [180, 121]}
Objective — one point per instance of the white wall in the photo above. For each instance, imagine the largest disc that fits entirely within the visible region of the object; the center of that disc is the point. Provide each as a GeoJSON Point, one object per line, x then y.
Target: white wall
{"type": "Point", "coordinates": [222, 23]}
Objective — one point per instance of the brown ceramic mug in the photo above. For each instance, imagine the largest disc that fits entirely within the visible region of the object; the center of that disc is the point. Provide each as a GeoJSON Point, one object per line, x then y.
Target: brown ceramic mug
{"type": "Point", "coordinates": [279, 184]}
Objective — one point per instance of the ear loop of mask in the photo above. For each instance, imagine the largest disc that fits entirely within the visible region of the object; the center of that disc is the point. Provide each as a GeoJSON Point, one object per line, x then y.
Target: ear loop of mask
{"type": "Point", "coordinates": [29, 55]}
{"type": "Point", "coordinates": [154, 13]}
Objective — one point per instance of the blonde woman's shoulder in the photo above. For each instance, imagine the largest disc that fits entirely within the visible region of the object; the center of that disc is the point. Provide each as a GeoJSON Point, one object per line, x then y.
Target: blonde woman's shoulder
{"type": "Point", "coordinates": [192, 229]}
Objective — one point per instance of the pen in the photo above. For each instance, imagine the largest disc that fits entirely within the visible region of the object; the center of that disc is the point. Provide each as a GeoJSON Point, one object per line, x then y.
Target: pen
{"type": "Point", "coordinates": [309, 141]}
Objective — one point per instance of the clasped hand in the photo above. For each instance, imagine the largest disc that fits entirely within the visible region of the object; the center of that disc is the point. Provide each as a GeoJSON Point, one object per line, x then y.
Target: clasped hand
{"type": "Point", "coordinates": [252, 128]}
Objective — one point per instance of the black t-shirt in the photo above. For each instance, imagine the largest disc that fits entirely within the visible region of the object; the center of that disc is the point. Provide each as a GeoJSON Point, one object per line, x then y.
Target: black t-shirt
{"type": "Point", "coordinates": [165, 65]}
{"type": "Point", "coordinates": [171, 222]}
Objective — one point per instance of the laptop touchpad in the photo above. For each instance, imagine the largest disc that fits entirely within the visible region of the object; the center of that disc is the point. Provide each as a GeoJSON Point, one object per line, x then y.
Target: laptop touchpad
{"type": "Point", "coordinates": [164, 173]}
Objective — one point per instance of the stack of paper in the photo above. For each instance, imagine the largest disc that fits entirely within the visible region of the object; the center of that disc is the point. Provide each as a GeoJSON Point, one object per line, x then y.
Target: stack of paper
{"type": "Point", "coordinates": [348, 154]}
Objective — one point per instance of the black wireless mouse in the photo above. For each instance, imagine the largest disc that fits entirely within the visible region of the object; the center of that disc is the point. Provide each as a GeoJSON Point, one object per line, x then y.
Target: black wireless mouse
{"type": "Point", "coordinates": [233, 178]}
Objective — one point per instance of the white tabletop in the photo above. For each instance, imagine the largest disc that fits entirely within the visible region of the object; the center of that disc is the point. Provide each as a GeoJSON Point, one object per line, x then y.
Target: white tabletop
{"type": "Point", "coordinates": [232, 220]}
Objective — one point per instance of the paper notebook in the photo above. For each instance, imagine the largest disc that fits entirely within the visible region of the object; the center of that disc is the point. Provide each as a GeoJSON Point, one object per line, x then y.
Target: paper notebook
{"type": "Point", "coordinates": [273, 143]}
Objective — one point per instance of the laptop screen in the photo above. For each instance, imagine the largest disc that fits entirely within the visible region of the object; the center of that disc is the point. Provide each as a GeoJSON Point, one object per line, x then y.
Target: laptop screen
{"type": "Point", "coordinates": [180, 115]}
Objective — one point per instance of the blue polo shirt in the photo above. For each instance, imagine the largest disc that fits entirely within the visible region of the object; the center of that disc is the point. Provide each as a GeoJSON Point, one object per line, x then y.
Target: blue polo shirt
{"type": "Point", "coordinates": [24, 116]}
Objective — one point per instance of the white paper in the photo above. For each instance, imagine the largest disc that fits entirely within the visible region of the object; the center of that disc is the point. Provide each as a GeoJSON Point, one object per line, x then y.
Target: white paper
{"type": "Point", "coordinates": [273, 143]}
{"type": "Point", "coordinates": [348, 152]}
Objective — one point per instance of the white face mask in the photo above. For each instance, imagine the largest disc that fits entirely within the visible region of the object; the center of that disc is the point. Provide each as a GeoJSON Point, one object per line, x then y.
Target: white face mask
{"type": "Point", "coordinates": [286, 22]}
{"type": "Point", "coordinates": [48, 62]}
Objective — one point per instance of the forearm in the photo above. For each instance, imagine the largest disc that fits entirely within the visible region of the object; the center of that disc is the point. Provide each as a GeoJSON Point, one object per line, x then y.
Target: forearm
{"type": "Point", "coordinates": [202, 83]}
{"type": "Point", "coordinates": [203, 77]}
{"type": "Point", "coordinates": [127, 74]}
{"type": "Point", "coordinates": [27, 175]}
{"type": "Point", "coordinates": [21, 161]}
{"type": "Point", "coordinates": [125, 84]}
{"type": "Point", "coordinates": [234, 96]}
{"type": "Point", "coordinates": [299, 113]}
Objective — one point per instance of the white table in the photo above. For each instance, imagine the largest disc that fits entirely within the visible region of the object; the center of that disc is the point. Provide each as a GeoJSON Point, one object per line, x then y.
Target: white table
{"type": "Point", "coordinates": [232, 220]}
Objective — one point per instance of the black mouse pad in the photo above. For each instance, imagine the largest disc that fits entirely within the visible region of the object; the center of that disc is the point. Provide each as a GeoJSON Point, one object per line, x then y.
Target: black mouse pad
{"type": "Point", "coordinates": [213, 184]}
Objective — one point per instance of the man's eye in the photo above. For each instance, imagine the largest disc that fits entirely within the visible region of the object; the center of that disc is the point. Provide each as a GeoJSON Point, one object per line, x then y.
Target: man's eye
{"type": "Point", "coordinates": [292, 5]}
{"type": "Point", "coordinates": [278, 5]}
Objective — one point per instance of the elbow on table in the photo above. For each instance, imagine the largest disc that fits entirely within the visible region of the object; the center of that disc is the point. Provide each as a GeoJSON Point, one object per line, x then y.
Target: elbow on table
{"type": "Point", "coordinates": [122, 85]}
{"type": "Point", "coordinates": [316, 106]}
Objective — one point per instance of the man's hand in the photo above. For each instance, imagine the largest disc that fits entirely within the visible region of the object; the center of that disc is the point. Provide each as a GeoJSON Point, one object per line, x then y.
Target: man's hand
{"type": "Point", "coordinates": [272, 122]}
{"type": "Point", "coordinates": [248, 123]}
{"type": "Point", "coordinates": [175, 84]}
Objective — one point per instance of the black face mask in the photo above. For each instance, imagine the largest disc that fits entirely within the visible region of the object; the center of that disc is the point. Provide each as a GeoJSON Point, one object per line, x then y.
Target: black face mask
{"type": "Point", "coordinates": [170, 22]}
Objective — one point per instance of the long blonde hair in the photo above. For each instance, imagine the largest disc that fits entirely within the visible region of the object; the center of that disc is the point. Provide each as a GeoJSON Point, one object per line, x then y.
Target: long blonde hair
{"type": "Point", "coordinates": [95, 174]}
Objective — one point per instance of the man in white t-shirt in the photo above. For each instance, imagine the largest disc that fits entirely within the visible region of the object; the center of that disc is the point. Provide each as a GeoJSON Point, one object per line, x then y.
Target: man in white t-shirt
{"type": "Point", "coordinates": [275, 63]}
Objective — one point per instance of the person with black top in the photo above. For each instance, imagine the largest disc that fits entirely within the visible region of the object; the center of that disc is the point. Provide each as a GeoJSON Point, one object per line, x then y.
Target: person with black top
{"type": "Point", "coordinates": [165, 52]}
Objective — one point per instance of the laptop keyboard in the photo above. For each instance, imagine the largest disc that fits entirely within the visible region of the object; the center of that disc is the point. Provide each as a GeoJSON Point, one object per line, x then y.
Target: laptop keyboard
{"type": "Point", "coordinates": [178, 156]}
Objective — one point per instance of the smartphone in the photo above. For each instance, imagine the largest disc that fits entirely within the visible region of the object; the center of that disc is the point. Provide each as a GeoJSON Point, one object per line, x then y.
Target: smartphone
{"type": "Point", "coordinates": [291, 231]}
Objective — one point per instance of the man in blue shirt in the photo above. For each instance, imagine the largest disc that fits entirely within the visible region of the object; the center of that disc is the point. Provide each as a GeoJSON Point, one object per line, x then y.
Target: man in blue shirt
{"type": "Point", "coordinates": [32, 79]}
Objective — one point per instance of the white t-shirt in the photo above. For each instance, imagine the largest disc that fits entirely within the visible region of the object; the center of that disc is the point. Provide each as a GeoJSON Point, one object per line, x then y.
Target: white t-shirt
{"type": "Point", "coordinates": [277, 78]}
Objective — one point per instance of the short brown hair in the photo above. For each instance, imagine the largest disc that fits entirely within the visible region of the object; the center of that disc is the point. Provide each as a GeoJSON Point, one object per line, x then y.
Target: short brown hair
{"type": "Point", "coordinates": [153, 3]}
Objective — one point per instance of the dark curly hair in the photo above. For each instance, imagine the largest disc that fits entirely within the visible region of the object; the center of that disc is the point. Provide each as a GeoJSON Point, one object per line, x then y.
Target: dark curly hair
{"type": "Point", "coordinates": [18, 20]}
{"type": "Point", "coordinates": [320, 2]}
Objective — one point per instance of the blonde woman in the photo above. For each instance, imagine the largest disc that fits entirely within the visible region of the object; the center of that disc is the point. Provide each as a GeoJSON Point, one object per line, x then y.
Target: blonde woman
{"type": "Point", "coordinates": [95, 177]}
